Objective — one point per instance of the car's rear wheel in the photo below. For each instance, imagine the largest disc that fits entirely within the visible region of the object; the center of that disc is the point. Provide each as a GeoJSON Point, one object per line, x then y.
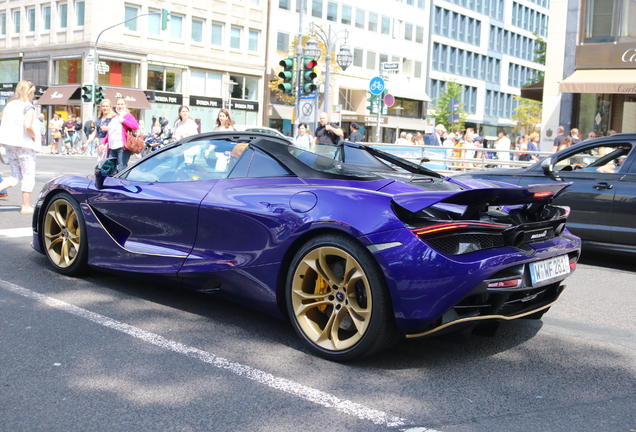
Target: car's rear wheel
{"type": "Point", "coordinates": [64, 235]}
{"type": "Point", "coordinates": [338, 300]}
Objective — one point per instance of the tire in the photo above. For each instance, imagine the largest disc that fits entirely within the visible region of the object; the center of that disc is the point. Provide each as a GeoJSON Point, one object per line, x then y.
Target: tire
{"type": "Point", "coordinates": [64, 235]}
{"type": "Point", "coordinates": [340, 318]}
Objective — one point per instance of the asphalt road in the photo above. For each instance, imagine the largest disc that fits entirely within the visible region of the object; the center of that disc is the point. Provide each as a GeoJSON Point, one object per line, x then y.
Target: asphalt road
{"type": "Point", "coordinates": [109, 353]}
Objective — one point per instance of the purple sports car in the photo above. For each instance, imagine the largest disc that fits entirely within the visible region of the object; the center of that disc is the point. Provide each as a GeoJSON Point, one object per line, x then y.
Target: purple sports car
{"type": "Point", "coordinates": [357, 248]}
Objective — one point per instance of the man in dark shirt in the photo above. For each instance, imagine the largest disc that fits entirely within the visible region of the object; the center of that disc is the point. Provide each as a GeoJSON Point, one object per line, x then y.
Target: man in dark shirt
{"type": "Point", "coordinates": [327, 132]}
{"type": "Point", "coordinates": [355, 136]}
{"type": "Point", "coordinates": [558, 139]}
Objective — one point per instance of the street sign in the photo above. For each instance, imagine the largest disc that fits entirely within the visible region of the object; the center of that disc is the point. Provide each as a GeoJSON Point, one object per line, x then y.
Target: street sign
{"type": "Point", "coordinates": [376, 85]}
{"type": "Point", "coordinates": [389, 100]}
{"type": "Point", "coordinates": [390, 66]}
{"type": "Point", "coordinates": [90, 58]}
{"type": "Point", "coordinates": [102, 68]}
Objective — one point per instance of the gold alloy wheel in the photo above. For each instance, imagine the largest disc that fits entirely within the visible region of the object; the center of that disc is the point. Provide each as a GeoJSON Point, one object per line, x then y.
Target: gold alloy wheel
{"type": "Point", "coordinates": [331, 298]}
{"type": "Point", "coordinates": [62, 233]}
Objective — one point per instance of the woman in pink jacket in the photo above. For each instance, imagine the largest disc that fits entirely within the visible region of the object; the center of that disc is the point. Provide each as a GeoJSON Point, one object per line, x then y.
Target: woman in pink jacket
{"type": "Point", "coordinates": [116, 137]}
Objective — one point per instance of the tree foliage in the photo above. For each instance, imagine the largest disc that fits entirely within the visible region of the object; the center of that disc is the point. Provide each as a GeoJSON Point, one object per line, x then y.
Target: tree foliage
{"type": "Point", "coordinates": [527, 116]}
{"type": "Point", "coordinates": [440, 109]}
{"type": "Point", "coordinates": [540, 56]}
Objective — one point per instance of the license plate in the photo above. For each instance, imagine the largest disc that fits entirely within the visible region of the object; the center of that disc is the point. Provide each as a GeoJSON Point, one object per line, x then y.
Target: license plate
{"type": "Point", "coordinates": [547, 269]}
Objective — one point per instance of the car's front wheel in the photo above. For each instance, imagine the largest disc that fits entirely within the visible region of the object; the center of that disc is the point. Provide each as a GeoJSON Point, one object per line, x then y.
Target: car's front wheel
{"type": "Point", "coordinates": [64, 235]}
{"type": "Point", "coordinates": [338, 300]}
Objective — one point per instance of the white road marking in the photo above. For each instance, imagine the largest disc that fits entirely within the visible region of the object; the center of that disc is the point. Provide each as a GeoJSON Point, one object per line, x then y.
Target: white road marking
{"type": "Point", "coordinates": [17, 232]}
{"type": "Point", "coordinates": [282, 384]}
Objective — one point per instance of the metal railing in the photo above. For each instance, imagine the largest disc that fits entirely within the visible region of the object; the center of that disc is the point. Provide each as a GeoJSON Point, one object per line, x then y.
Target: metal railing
{"type": "Point", "coordinates": [441, 161]}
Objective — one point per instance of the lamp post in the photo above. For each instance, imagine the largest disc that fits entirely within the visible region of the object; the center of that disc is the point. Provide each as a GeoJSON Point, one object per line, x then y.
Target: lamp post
{"type": "Point", "coordinates": [330, 38]}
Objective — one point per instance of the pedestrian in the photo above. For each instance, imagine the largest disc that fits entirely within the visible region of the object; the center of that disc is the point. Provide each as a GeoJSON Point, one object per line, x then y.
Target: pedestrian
{"type": "Point", "coordinates": [119, 125]}
{"type": "Point", "coordinates": [435, 139]}
{"type": "Point", "coordinates": [574, 133]}
{"type": "Point", "coordinates": [156, 128]}
{"type": "Point", "coordinates": [91, 138]}
{"type": "Point", "coordinates": [327, 132]}
{"type": "Point", "coordinates": [69, 135]}
{"type": "Point", "coordinates": [502, 145]}
{"type": "Point", "coordinates": [56, 127]}
{"type": "Point", "coordinates": [402, 139]}
{"type": "Point", "coordinates": [78, 142]}
{"type": "Point", "coordinates": [533, 146]}
{"type": "Point", "coordinates": [224, 122]}
{"type": "Point", "coordinates": [101, 128]}
{"type": "Point", "coordinates": [522, 145]}
{"type": "Point", "coordinates": [42, 129]}
{"type": "Point", "coordinates": [354, 136]}
{"type": "Point", "coordinates": [419, 139]}
{"type": "Point", "coordinates": [19, 133]}
{"type": "Point", "coordinates": [303, 139]}
{"type": "Point", "coordinates": [185, 126]}
{"type": "Point", "coordinates": [558, 139]}
{"type": "Point", "coordinates": [591, 135]}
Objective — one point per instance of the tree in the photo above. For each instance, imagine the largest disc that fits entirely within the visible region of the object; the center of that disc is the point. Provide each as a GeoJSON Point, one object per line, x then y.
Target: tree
{"type": "Point", "coordinates": [441, 111]}
{"type": "Point", "coordinates": [273, 84]}
{"type": "Point", "coordinates": [540, 57]}
{"type": "Point", "coordinates": [527, 116]}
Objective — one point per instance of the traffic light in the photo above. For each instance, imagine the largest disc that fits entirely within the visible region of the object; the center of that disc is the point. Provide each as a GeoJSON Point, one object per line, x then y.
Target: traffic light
{"type": "Point", "coordinates": [308, 75]}
{"type": "Point", "coordinates": [87, 93]}
{"type": "Point", "coordinates": [99, 94]}
{"type": "Point", "coordinates": [165, 17]}
{"type": "Point", "coordinates": [373, 103]}
{"type": "Point", "coordinates": [287, 86]}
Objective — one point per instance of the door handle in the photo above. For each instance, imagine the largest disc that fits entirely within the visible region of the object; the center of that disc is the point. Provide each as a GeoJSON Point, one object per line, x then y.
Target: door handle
{"type": "Point", "coordinates": [603, 186]}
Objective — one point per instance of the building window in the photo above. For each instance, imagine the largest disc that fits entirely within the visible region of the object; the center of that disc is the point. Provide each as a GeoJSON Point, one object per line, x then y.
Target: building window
{"type": "Point", "coordinates": [316, 8]}
{"type": "Point", "coordinates": [419, 34]}
{"type": "Point", "coordinates": [610, 21]}
{"type": "Point", "coordinates": [384, 58]}
{"type": "Point", "coordinates": [36, 72]}
{"type": "Point", "coordinates": [131, 12]}
{"type": "Point", "coordinates": [30, 13]}
{"type": "Point", "coordinates": [408, 31]}
{"type": "Point", "coordinates": [373, 22]}
{"type": "Point", "coordinates": [79, 13]}
{"type": "Point", "coordinates": [3, 23]}
{"type": "Point", "coordinates": [284, 4]}
{"type": "Point", "coordinates": [304, 6]}
{"type": "Point", "coordinates": [217, 34]}
{"type": "Point", "coordinates": [46, 17]}
{"type": "Point", "coordinates": [252, 44]}
{"type": "Point", "coordinates": [371, 60]}
{"type": "Point", "coordinates": [245, 88]}
{"type": "Point", "coordinates": [16, 21]}
{"type": "Point", "coordinates": [120, 74]}
{"type": "Point", "coordinates": [357, 57]}
{"type": "Point", "coordinates": [332, 11]}
{"type": "Point", "coordinates": [176, 27]}
{"type": "Point", "coordinates": [360, 18]}
{"type": "Point", "coordinates": [197, 30]}
{"type": "Point", "coordinates": [154, 23]}
{"type": "Point", "coordinates": [163, 79]}
{"type": "Point", "coordinates": [68, 71]}
{"type": "Point", "coordinates": [386, 26]}
{"type": "Point", "coordinates": [346, 15]}
{"type": "Point", "coordinates": [235, 37]}
{"type": "Point", "coordinates": [417, 69]}
{"type": "Point", "coordinates": [282, 42]}
{"type": "Point", "coordinates": [62, 12]}
{"type": "Point", "coordinates": [205, 83]}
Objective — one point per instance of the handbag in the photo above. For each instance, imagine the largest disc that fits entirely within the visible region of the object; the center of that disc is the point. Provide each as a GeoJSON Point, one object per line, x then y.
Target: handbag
{"type": "Point", "coordinates": [57, 135]}
{"type": "Point", "coordinates": [134, 143]}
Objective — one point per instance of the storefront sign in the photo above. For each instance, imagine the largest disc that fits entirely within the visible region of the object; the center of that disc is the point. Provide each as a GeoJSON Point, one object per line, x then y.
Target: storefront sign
{"type": "Point", "coordinates": [207, 102]}
{"type": "Point", "coordinates": [168, 98]}
{"type": "Point", "coordinates": [610, 56]}
{"type": "Point", "coordinates": [245, 106]}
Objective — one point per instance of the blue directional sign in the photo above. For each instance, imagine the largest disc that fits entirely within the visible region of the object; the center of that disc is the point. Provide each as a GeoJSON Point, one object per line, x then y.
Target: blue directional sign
{"type": "Point", "coordinates": [376, 85]}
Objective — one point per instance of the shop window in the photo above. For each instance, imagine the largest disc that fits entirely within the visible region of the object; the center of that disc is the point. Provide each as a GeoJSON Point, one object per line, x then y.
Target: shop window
{"type": "Point", "coordinates": [68, 71]}
{"type": "Point", "coordinates": [164, 79]}
{"type": "Point", "coordinates": [411, 108]}
{"type": "Point", "coordinates": [120, 74]}
{"type": "Point", "coordinates": [206, 83]}
{"type": "Point", "coordinates": [131, 12]}
{"type": "Point", "coordinates": [245, 87]}
{"type": "Point", "coordinates": [9, 71]}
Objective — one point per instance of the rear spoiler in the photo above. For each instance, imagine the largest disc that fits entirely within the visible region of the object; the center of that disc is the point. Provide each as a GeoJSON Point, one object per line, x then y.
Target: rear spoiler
{"type": "Point", "coordinates": [540, 194]}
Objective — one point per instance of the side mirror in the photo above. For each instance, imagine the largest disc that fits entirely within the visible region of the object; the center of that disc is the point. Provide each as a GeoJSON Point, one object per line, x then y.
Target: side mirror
{"type": "Point", "coordinates": [548, 166]}
{"type": "Point", "coordinates": [104, 168]}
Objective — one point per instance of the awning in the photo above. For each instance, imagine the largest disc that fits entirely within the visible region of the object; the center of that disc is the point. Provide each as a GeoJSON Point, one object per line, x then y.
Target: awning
{"type": "Point", "coordinates": [284, 112]}
{"type": "Point", "coordinates": [600, 81]}
{"type": "Point", "coordinates": [57, 95]}
{"type": "Point", "coordinates": [533, 91]}
{"type": "Point", "coordinates": [134, 98]}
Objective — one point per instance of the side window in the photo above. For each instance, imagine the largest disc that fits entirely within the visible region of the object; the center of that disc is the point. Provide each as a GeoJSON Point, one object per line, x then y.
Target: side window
{"type": "Point", "coordinates": [263, 165]}
{"type": "Point", "coordinates": [603, 159]}
{"type": "Point", "coordinates": [193, 161]}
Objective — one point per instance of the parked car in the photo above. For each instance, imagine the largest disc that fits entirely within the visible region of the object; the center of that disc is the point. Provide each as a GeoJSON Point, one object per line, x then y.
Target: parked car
{"type": "Point", "coordinates": [263, 129]}
{"type": "Point", "coordinates": [356, 255]}
{"type": "Point", "coordinates": [602, 197]}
